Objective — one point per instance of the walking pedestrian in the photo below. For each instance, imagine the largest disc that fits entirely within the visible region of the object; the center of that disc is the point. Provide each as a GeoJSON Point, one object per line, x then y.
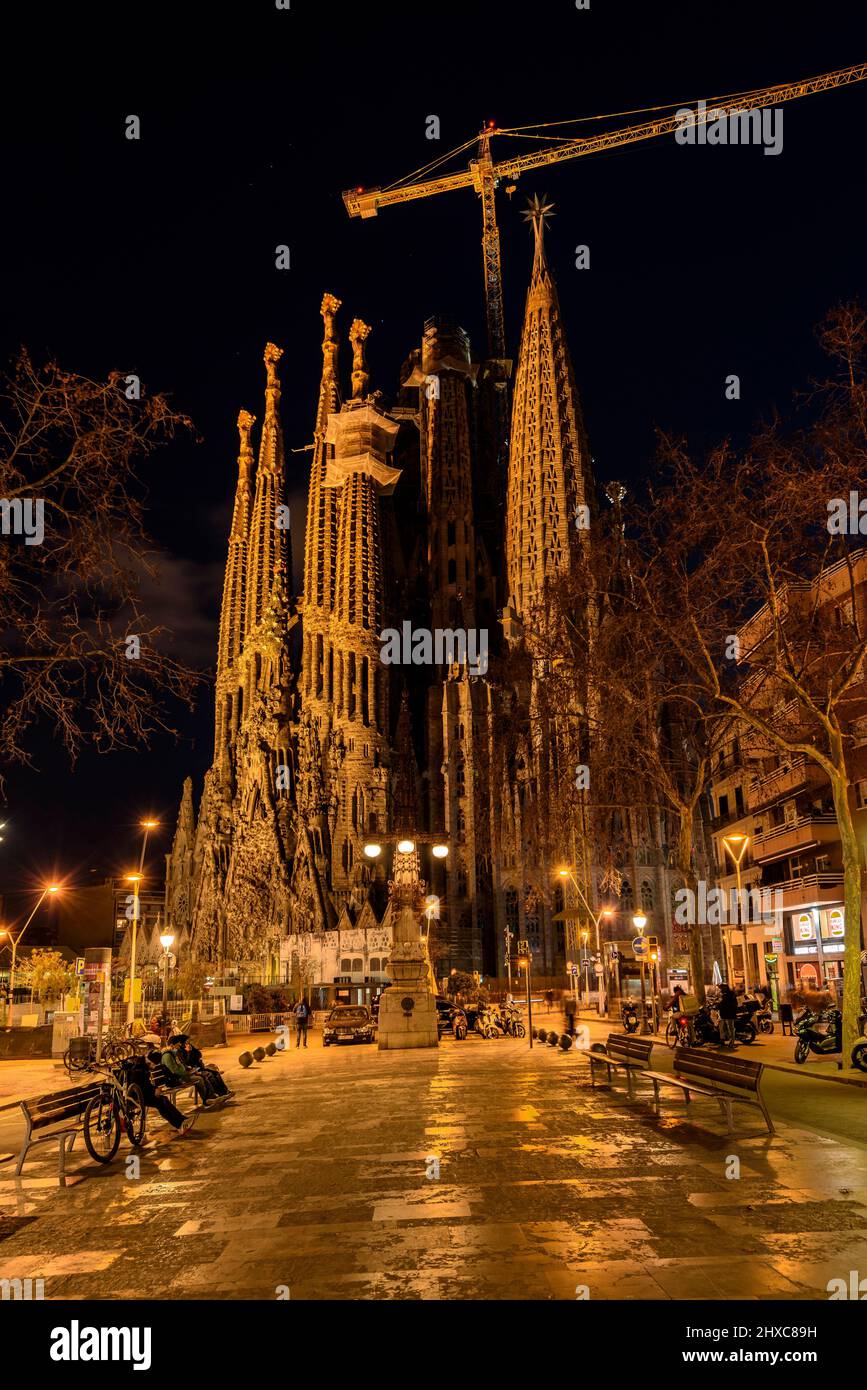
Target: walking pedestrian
{"type": "Point", "coordinates": [302, 1018]}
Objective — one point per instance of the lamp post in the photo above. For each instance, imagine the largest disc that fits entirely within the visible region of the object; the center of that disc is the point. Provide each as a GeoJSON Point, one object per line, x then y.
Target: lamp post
{"type": "Point", "coordinates": [639, 921]}
{"type": "Point", "coordinates": [135, 879]}
{"type": "Point", "coordinates": [407, 1011]}
{"type": "Point", "coordinates": [596, 920]}
{"type": "Point", "coordinates": [524, 964]}
{"type": "Point", "coordinates": [167, 940]}
{"type": "Point", "coordinates": [508, 935]}
{"type": "Point", "coordinates": [730, 844]}
{"type": "Point", "coordinates": [50, 888]}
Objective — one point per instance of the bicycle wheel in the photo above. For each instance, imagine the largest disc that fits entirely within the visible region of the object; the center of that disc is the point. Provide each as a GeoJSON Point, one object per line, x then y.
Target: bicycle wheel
{"type": "Point", "coordinates": [672, 1033]}
{"type": "Point", "coordinates": [102, 1129]}
{"type": "Point", "coordinates": [136, 1116]}
{"type": "Point", "coordinates": [520, 1030]}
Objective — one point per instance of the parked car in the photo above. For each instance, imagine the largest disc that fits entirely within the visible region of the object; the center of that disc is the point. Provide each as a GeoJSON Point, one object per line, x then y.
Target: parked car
{"type": "Point", "coordinates": [349, 1023]}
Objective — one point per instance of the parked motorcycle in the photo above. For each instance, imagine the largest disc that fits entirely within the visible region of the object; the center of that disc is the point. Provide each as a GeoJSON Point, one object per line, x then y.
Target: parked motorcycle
{"type": "Point", "coordinates": [629, 1016]}
{"type": "Point", "coordinates": [819, 1032]}
{"type": "Point", "coordinates": [706, 1029]}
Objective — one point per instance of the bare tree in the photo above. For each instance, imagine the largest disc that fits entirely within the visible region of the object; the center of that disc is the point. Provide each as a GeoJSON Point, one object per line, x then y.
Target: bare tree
{"type": "Point", "coordinates": [76, 648]}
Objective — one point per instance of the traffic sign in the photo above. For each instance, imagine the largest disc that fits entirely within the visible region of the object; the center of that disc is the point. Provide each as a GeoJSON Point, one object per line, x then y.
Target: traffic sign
{"type": "Point", "coordinates": [641, 947]}
{"type": "Point", "coordinates": [574, 970]}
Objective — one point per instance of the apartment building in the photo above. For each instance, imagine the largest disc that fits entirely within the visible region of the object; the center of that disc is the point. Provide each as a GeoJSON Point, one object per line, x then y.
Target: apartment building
{"type": "Point", "coordinates": [784, 807]}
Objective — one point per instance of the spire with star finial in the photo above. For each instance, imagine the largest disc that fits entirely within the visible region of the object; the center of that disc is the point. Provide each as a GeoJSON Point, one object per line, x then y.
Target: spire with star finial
{"type": "Point", "coordinates": [538, 212]}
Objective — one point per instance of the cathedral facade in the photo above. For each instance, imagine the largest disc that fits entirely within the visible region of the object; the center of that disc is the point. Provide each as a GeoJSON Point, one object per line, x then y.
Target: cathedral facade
{"type": "Point", "coordinates": [423, 524]}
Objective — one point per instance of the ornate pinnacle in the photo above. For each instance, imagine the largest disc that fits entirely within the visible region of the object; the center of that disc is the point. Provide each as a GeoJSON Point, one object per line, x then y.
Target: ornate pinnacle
{"type": "Point", "coordinates": [246, 421]}
{"type": "Point", "coordinates": [272, 356]}
{"type": "Point", "coordinates": [358, 336]}
{"type": "Point", "coordinates": [330, 341]}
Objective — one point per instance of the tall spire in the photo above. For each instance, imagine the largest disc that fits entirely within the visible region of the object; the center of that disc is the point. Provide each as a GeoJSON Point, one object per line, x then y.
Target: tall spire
{"type": "Point", "coordinates": [549, 462]}
{"type": "Point", "coordinates": [405, 807]}
{"type": "Point", "coordinates": [270, 552]}
{"type": "Point", "coordinates": [232, 616]}
{"type": "Point", "coordinates": [320, 541]}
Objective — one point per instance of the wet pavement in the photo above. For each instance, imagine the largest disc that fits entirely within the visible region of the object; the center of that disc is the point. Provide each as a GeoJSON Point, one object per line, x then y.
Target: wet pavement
{"type": "Point", "coordinates": [482, 1171]}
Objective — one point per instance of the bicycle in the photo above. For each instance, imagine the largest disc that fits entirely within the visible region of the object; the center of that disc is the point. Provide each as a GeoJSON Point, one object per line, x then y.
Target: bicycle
{"type": "Point", "coordinates": [678, 1031]}
{"type": "Point", "coordinates": [119, 1106]}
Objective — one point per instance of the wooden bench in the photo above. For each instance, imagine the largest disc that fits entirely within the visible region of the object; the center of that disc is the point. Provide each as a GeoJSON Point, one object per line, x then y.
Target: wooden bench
{"type": "Point", "coordinates": [716, 1075]}
{"type": "Point", "coordinates": [622, 1053]}
{"type": "Point", "coordinates": [62, 1108]}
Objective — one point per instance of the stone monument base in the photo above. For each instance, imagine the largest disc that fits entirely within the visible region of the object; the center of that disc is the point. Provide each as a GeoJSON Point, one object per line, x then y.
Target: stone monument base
{"type": "Point", "coordinates": [402, 1026]}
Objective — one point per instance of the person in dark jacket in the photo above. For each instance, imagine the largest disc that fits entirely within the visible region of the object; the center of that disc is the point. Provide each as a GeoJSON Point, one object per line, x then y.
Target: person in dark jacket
{"type": "Point", "coordinates": [180, 1074]}
{"type": "Point", "coordinates": [728, 1012]}
{"type": "Point", "coordinates": [195, 1062]}
{"type": "Point", "coordinates": [140, 1071]}
{"type": "Point", "coordinates": [302, 1019]}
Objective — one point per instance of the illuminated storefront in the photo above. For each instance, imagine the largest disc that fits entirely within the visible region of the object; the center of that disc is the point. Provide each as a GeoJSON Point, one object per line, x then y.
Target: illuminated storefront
{"type": "Point", "coordinates": [816, 945]}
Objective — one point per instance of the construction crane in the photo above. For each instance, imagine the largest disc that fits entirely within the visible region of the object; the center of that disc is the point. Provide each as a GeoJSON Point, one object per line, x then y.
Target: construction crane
{"type": "Point", "coordinates": [484, 176]}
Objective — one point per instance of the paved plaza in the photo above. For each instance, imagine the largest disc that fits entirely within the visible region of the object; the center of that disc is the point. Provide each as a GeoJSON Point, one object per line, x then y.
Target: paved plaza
{"type": "Point", "coordinates": [483, 1170]}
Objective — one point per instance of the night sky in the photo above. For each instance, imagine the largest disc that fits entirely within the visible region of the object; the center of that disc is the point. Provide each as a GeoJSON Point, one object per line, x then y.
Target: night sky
{"type": "Point", "coordinates": [157, 256]}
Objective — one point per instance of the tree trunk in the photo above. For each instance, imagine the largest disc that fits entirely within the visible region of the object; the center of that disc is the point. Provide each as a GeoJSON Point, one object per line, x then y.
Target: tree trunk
{"type": "Point", "coordinates": [852, 902]}
{"type": "Point", "coordinates": [684, 864]}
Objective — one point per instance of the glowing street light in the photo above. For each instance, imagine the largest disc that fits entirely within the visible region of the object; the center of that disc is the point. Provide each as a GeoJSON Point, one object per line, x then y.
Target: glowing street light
{"type": "Point", "coordinates": [49, 888]}
{"type": "Point", "coordinates": [405, 846]}
{"type": "Point", "coordinates": [373, 851]}
{"type": "Point", "coordinates": [736, 847]}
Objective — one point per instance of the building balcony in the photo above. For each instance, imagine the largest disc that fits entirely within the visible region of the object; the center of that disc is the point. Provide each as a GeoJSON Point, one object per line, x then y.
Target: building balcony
{"type": "Point", "coordinates": [813, 890]}
{"type": "Point", "coordinates": [799, 775]}
{"type": "Point", "coordinates": [807, 832]}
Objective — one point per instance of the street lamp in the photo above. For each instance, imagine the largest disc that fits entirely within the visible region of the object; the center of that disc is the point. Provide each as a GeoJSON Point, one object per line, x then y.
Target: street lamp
{"type": "Point", "coordinates": [731, 843]}
{"type": "Point", "coordinates": [639, 922]}
{"type": "Point", "coordinates": [166, 941]}
{"type": "Point", "coordinates": [135, 879]}
{"type": "Point", "coordinates": [49, 888]}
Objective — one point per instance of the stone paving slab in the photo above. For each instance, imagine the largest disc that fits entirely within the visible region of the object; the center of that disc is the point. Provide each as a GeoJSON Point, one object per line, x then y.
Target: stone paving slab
{"type": "Point", "coordinates": [317, 1180]}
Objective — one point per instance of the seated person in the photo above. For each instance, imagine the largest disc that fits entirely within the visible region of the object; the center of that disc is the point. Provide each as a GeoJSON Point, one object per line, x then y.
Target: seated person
{"type": "Point", "coordinates": [180, 1074]}
{"type": "Point", "coordinates": [195, 1062]}
{"type": "Point", "coordinates": [140, 1071]}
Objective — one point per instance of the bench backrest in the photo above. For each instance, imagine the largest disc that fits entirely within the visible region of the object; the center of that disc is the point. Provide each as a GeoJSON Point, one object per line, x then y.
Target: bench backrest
{"type": "Point", "coordinates": [728, 1071]}
{"type": "Point", "coordinates": [60, 1105]}
{"type": "Point", "coordinates": [623, 1048]}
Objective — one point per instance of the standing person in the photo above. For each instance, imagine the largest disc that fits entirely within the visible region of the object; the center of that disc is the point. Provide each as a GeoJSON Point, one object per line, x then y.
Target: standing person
{"type": "Point", "coordinates": [570, 1018]}
{"type": "Point", "coordinates": [302, 1018]}
{"type": "Point", "coordinates": [728, 1011]}
{"type": "Point", "coordinates": [549, 999]}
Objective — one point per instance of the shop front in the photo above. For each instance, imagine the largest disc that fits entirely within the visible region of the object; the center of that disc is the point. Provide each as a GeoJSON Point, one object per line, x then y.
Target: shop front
{"type": "Point", "coordinates": [815, 948]}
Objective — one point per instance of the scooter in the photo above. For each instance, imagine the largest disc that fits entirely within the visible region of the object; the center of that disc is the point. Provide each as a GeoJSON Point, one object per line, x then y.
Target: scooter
{"type": "Point", "coordinates": [629, 1016]}
{"type": "Point", "coordinates": [705, 1030]}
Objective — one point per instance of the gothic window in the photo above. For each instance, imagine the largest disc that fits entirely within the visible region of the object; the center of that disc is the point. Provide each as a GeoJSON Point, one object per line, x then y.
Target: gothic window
{"type": "Point", "coordinates": [451, 533]}
{"type": "Point", "coordinates": [347, 855]}
{"type": "Point", "coordinates": [461, 777]}
{"type": "Point", "coordinates": [346, 966]}
{"type": "Point", "coordinates": [350, 686]}
{"type": "Point", "coordinates": [374, 965]}
{"type": "Point", "coordinates": [461, 734]}
{"type": "Point", "coordinates": [357, 966]}
{"type": "Point", "coordinates": [330, 675]}
{"type": "Point", "coordinates": [512, 914]}
{"type": "Point", "coordinates": [646, 896]}
{"type": "Point", "coordinates": [371, 823]}
{"type": "Point", "coordinates": [365, 694]}
{"type": "Point", "coordinates": [453, 572]}
{"type": "Point", "coordinates": [626, 898]}
{"type": "Point", "coordinates": [355, 809]}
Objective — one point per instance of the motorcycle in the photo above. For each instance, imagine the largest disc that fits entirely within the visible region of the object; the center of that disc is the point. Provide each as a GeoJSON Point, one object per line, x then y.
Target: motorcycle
{"type": "Point", "coordinates": [629, 1016]}
{"type": "Point", "coordinates": [819, 1033]}
{"type": "Point", "coordinates": [706, 1029]}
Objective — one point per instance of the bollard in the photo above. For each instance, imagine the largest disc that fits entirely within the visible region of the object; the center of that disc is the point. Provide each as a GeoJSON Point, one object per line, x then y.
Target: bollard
{"type": "Point", "coordinates": [246, 1059]}
{"type": "Point", "coordinates": [565, 1042]}
{"type": "Point", "coordinates": [259, 1054]}
{"type": "Point", "coordinates": [271, 1049]}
